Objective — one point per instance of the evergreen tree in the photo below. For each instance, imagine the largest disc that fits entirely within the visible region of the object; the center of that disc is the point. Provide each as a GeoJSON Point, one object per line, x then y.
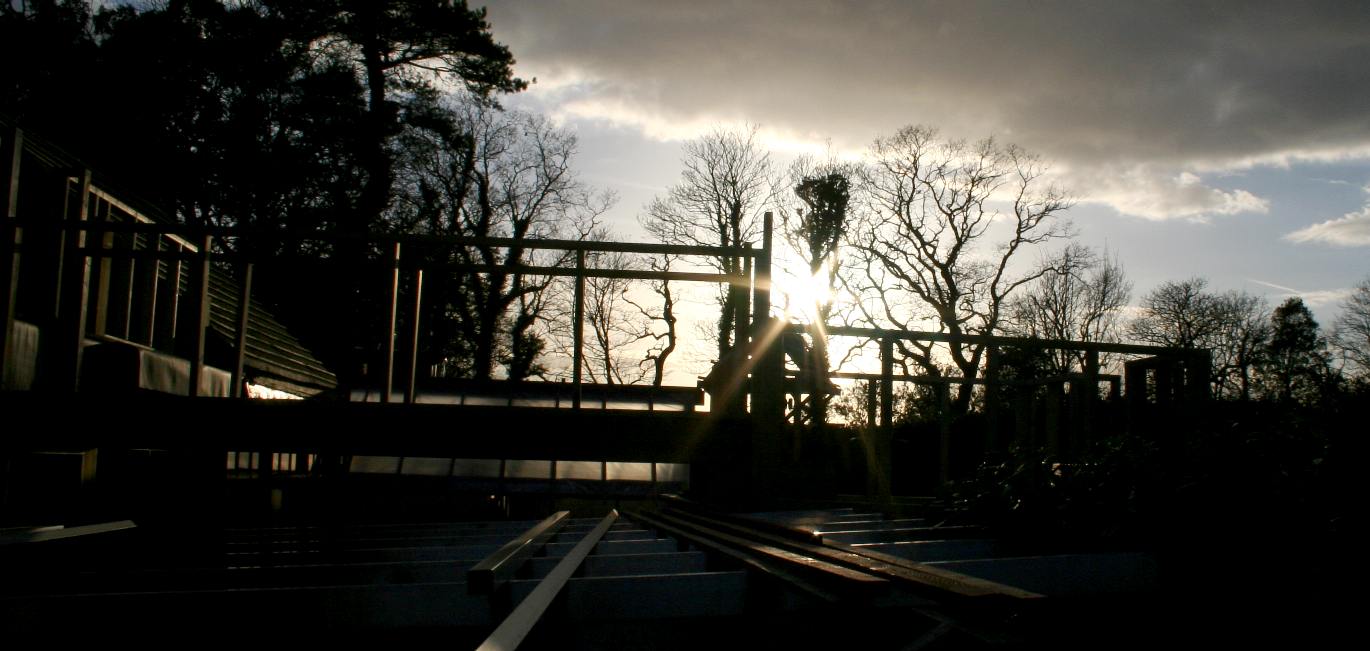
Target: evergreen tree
{"type": "Point", "coordinates": [1296, 365]}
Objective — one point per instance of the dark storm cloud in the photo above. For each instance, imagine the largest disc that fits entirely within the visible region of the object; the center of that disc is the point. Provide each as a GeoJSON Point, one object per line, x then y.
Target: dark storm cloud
{"type": "Point", "coordinates": [1137, 88]}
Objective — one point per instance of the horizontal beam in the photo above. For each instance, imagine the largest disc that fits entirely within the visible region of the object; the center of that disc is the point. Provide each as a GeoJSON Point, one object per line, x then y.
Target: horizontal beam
{"type": "Point", "coordinates": [928, 379]}
{"type": "Point", "coordinates": [995, 340]}
{"type": "Point", "coordinates": [590, 272]}
{"type": "Point", "coordinates": [530, 270]}
{"type": "Point", "coordinates": [339, 427]}
{"type": "Point", "coordinates": [411, 239]}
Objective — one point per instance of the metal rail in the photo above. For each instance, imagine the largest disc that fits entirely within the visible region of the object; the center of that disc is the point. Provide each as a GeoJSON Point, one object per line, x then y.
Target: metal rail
{"type": "Point", "coordinates": [519, 623]}
{"type": "Point", "coordinates": [499, 567]}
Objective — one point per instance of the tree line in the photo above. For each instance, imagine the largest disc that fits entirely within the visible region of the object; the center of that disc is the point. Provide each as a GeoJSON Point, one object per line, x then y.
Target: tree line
{"type": "Point", "coordinates": [350, 117]}
{"type": "Point", "coordinates": [925, 232]}
{"type": "Point", "coordinates": [383, 116]}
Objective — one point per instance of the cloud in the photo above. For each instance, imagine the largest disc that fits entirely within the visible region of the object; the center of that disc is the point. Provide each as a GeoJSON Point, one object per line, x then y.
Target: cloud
{"type": "Point", "coordinates": [1351, 229]}
{"type": "Point", "coordinates": [1149, 92]}
{"type": "Point", "coordinates": [1153, 192]}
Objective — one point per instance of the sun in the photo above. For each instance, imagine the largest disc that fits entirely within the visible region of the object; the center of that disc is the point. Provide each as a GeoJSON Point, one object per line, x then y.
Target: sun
{"type": "Point", "coordinates": [806, 293]}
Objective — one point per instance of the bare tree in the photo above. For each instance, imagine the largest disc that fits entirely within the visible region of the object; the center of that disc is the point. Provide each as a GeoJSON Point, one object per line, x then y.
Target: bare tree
{"type": "Point", "coordinates": [1234, 326]}
{"type": "Point", "coordinates": [727, 182]}
{"type": "Point", "coordinates": [1243, 333]}
{"type": "Point", "coordinates": [1353, 329]}
{"type": "Point", "coordinates": [929, 253]}
{"type": "Point", "coordinates": [663, 339]}
{"type": "Point", "coordinates": [497, 174]}
{"type": "Point", "coordinates": [1080, 297]}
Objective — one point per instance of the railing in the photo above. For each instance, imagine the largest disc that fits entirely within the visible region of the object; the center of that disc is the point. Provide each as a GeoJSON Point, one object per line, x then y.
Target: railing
{"type": "Point", "coordinates": [118, 274]}
{"type": "Point", "coordinates": [1180, 374]}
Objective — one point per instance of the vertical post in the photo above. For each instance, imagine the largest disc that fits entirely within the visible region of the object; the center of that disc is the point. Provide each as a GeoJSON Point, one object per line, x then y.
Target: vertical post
{"type": "Point", "coordinates": [741, 306]}
{"type": "Point", "coordinates": [882, 463]}
{"type": "Point", "coordinates": [761, 283]}
{"type": "Point", "coordinates": [412, 391]}
{"type": "Point", "coordinates": [127, 276]}
{"type": "Point", "coordinates": [101, 267]}
{"type": "Point", "coordinates": [200, 314]}
{"type": "Point", "coordinates": [389, 382]}
{"type": "Point", "coordinates": [1199, 365]}
{"type": "Point", "coordinates": [74, 284]}
{"type": "Point", "coordinates": [993, 444]}
{"type": "Point", "coordinates": [768, 376]}
{"type": "Point", "coordinates": [164, 334]}
{"type": "Point", "coordinates": [1165, 381]}
{"type": "Point", "coordinates": [1055, 395]}
{"type": "Point", "coordinates": [1024, 418]}
{"type": "Point", "coordinates": [244, 312]}
{"type": "Point", "coordinates": [577, 331]}
{"type": "Point", "coordinates": [768, 370]}
{"type": "Point", "coordinates": [944, 432]}
{"type": "Point", "coordinates": [886, 384]}
{"type": "Point", "coordinates": [11, 154]}
{"type": "Point", "coordinates": [1088, 397]}
{"type": "Point", "coordinates": [871, 402]}
{"type": "Point", "coordinates": [146, 321]}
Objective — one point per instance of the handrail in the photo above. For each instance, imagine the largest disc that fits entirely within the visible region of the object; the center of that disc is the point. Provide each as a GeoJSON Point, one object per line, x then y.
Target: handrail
{"type": "Point", "coordinates": [519, 623]}
{"type": "Point", "coordinates": [499, 567]}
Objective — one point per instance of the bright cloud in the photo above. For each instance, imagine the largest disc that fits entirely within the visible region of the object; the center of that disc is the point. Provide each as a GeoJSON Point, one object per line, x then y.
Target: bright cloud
{"type": "Point", "coordinates": [1351, 229]}
{"type": "Point", "coordinates": [1152, 192]}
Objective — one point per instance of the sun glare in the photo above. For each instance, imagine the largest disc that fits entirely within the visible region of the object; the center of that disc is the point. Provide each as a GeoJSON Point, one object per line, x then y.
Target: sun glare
{"type": "Point", "coordinates": [806, 293]}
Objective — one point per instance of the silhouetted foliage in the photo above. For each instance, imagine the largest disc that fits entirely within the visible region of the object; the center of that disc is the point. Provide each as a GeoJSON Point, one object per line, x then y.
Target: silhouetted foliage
{"type": "Point", "coordinates": [1352, 334]}
{"type": "Point", "coordinates": [400, 50]}
{"type": "Point", "coordinates": [491, 173]}
{"type": "Point", "coordinates": [726, 183]}
{"type": "Point", "coordinates": [284, 117]}
{"type": "Point", "coordinates": [1079, 298]}
{"type": "Point", "coordinates": [1295, 364]}
{"type": "Point", "coordinates": [817, 230]}
{"type": "Point", "coordinates": [924, 254]}
{"type": "Point", "coordinates": [1233, 325]}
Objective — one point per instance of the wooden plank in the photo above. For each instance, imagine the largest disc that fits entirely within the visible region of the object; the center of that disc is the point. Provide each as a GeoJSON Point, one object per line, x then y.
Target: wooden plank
{"type": "Point", "coordinates": [240, 349]}
{"type": "Point", "coordinates": [102, 265]}
{"type": "Point", "coordinates": [411, 387]}
{"type": "Point", "coordinates": [880, 564]}
{"type": "Point", "coordinates": [74, 284]}
{"type": "Point", "coordinates": [199, 315]}
{"type": "Point", "coordinates": [842, 580]}
{"type": "Point", "coordinates": [578, 331]}
{"type": "Point", "coordinates": [164, 330]}
{"type": "Point", "coordinates": [388, 380]}
{"type": "Point", "coordinates": [11, 235]}
{"type": "Point", "coordinates": [45, 534]}
{"type": "Point", "coordinates": [500, 566]}
{"type": "Point", "coordinates": [519, 623]}
{"type": "Point", "coordinates": [146, 224]}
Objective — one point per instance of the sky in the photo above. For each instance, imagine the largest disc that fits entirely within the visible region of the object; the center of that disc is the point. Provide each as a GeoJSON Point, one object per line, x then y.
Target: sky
{"type": "Point", "coordinates": [1224, 140]}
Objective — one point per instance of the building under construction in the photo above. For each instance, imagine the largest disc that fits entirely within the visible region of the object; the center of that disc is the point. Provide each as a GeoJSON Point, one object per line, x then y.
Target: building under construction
{"type": "Point", "coordinates": [154, 489]}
